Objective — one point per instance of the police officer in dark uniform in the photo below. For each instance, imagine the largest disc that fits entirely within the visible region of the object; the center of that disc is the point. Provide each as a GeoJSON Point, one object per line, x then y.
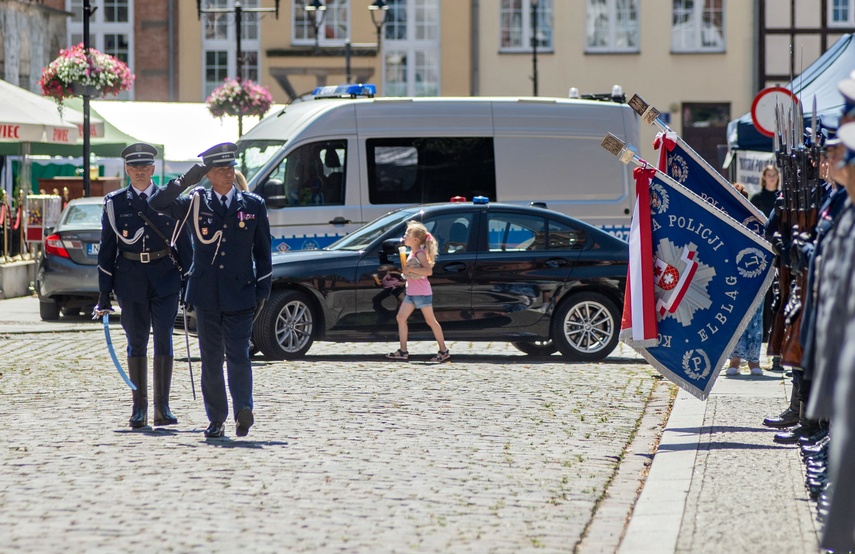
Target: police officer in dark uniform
{"type": "Point", "coordinates": [229, 280]}
{"type": "Point", "coordinates": [139, 261]}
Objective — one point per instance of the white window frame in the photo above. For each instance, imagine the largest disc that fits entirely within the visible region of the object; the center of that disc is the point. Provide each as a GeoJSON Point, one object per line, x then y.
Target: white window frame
{"type": "Point", "coordinates": [229, 44]}
{"type": "Point", "coordinates": [98, 28]}
{"type": "Point", "coordinates": [608, 10]}
{"type": "Point", "coordinates": [420, 49]}
{"type": "Point", "coordinates": [545, 23]}
{"type": "Point", "coordinates": [333, 6]}
{"type": "Point", "coordinates": [696, 27]}
{"type": "Point", "coordinates": [849, 6]}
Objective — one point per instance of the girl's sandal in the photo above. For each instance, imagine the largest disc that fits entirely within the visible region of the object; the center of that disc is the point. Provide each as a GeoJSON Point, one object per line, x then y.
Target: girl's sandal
{"type": "Point", "coordinates": [441, 356]}
{"type": "Point", "coordinates": [399, 355]}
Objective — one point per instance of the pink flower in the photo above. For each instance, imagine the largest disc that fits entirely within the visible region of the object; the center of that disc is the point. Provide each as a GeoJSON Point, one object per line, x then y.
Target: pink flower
{"type": "Point", "coordinates": [105, 73]}
{"type": "Point", "coordinates": [244, 98]}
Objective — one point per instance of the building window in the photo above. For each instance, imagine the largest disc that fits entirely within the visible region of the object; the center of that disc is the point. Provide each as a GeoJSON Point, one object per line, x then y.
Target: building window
{"type": "Point", "coordinates": [219, 43]}
{"type": "Point", "coordinates": [612, 26]}
{"type": "Point", "coordinates": [333, 23]}
{"type": "Point", "coordinates": [110, 31]}
{"type": "Point", "coordinates": [697, 26]}
{"type": "Point", "coordinates": [515, 20]}
{"type": "Point", "coordinates": [841, 13]}
{"type": "Point", "coordinates": [411, 49]}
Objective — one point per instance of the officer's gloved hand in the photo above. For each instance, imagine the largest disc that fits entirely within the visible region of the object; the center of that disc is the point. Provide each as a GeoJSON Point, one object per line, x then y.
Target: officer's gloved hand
{"type": "Point", "coordinates": [258, 307]}
{"type": "Point", "coordinates": [778, 243]}
{"type": "Point", "coordinates": [104, 306]}
{"type": "Point", "coordinates": [800, 252]}
{"type": "Point", "coordinates": [194, 175]}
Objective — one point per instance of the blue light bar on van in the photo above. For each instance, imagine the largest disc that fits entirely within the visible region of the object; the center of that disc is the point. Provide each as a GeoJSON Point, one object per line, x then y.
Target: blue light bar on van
{"type": "Point", "coordinates": [344, 91]}
{"type": "Point", "coordinates": [480, 200]}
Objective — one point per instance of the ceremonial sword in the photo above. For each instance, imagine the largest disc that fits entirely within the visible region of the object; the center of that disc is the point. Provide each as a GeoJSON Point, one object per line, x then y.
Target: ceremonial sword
{"type": "Point", "coordinates": [122, 374]}
{"type": "Point", "coordinates": [187, 342]}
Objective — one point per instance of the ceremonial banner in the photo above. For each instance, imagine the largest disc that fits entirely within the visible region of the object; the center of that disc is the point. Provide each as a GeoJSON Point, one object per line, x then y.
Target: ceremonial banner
{"type": "Point", "coordinates": [709, 275]}
{"type": "Point", "coordinates": [680, 162]}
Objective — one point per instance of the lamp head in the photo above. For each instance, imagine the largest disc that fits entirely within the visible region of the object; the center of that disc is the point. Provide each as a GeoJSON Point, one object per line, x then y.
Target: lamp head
{"type": "Point", "coordinates": [378, 5]}
{"type": "Point", "coordinates": [315, 5]}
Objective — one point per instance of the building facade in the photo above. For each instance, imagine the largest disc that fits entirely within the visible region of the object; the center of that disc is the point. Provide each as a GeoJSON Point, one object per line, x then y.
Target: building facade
{"type": "Point", "coordinates": [700, 62]}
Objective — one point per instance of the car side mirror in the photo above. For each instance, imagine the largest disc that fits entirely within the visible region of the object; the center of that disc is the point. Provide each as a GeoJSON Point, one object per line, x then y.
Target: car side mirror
{"type": "Point", "coordinates": [274, 195]}
{"type": "Point", "coordinates": [389, 251]}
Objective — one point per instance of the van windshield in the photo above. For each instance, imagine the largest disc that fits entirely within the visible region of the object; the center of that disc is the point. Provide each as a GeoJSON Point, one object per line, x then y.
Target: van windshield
{"type": "Point", "coordinates": [253, 154]}
{"type": "Point", "coordinates": [368, 233]}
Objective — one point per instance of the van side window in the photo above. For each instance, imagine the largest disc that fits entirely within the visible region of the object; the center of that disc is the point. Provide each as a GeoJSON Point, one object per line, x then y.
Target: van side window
{"type": "Point", "coordinates": [421, 170]}
{"type": "Point", "coordinates": [311, 175]}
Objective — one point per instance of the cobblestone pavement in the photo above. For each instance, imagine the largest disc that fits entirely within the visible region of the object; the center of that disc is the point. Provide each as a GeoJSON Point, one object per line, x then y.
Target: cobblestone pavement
{"type": "Point", "coordinates": [493, 452]}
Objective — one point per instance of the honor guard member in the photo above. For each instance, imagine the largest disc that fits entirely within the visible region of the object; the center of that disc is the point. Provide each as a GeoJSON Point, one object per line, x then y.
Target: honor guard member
{"type": "Point", "coordinates": [229, 280]}
{"type": "Point", "coordinates": [137, 262]}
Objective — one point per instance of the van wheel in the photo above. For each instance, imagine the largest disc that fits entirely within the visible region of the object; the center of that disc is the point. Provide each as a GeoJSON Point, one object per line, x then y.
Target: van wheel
{"type": "Point", "coordinates": [585, 327]}
{"type": "Point", "coordinates": [284, 328]}
{"type": "Point", "coordinates": [48, 310]}
{"type": "Point", "coordinates": [536, 348]}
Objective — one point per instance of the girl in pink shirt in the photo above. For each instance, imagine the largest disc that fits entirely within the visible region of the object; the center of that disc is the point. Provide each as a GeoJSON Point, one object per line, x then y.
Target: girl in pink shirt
{"type": "Point", "coordinates": [423, 251]}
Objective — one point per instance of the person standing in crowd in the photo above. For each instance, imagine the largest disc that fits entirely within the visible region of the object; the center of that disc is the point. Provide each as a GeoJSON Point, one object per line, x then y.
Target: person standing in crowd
{"type": "Point", "coordinates": [834, 356]}
{"type": "Point", "coordinates": [137, 261]}
{"type": "Point", "coordinates": [419, 266]}
{"type": "Point", "coordinates": [749, 344]}
{"type": "Point", "coordinates": [229, 281]}
{"type": "Point", "coordinates": [764, 200]}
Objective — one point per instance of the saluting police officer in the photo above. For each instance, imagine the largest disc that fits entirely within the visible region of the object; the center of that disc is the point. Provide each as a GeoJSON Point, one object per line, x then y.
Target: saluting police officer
{"type": "Point", "coordinates": [230, 231]}
{"type": "Point", "coordinates": [136, 262]}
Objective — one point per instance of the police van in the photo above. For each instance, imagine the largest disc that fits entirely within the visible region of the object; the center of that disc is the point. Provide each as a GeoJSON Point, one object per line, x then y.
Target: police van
{"type": "Point", "coordinates": [331, 164]}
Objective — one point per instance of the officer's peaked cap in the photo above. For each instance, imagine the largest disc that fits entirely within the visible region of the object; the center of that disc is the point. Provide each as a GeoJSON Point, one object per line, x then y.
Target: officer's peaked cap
{"type": "Point", "coordinates": [221, 155]}
{"type": "Point", "coordinates": [139, 154]}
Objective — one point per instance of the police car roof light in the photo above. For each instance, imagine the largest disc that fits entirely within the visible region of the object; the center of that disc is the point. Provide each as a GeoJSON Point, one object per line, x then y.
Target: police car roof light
{"type": "Point", "coordinates": [480, 200]}
{"type": "Point", "coordinates": [345, 91]}
{"type": "Point", "coordinates": [457, 199]}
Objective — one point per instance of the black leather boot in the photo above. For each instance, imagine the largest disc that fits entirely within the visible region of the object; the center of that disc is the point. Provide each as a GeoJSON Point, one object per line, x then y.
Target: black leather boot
{"type": "Point", "coordinates": [138, 372]}
{"type": "Point", "coordinates": [161, 385]}
{"type": "Point", "coordinates": [788, 417]}
{"type": "Point", "coordinates": [805, 428]}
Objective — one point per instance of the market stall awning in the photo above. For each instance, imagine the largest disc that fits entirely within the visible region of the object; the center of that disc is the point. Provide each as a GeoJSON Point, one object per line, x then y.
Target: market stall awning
{"type": "Point", "coordinates": [28, 117]}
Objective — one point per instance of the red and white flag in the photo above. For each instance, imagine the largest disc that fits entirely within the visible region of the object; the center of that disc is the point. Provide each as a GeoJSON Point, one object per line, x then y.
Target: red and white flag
{"type": "Point", "coordinates": [638, 326]}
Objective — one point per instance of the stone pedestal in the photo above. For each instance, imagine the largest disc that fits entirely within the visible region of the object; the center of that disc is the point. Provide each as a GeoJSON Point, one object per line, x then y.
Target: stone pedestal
{"type": "Point", "coordinates": [15, 278]}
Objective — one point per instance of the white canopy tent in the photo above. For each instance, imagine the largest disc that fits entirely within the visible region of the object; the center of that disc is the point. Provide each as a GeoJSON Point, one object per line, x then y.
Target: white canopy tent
{"type": "Point", "coordinates": [28, 117]}
{"type": "Point", "coordinates": [185, 129]}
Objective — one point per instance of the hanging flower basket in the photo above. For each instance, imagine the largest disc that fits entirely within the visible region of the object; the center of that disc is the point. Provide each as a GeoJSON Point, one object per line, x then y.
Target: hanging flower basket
{"type": "Point", "coordinates": [74, 73]}
{"type": "Point", "coordinates": [239, 98]}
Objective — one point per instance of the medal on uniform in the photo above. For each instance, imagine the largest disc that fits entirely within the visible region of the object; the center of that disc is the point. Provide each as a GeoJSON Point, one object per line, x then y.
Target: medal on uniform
{"type": "Point", "coordinates": [241, 217]}
{"type": "Point", "coordinates": [241, 224]}
{"type": "Point", "coordinates": [125, 233]}
{"type": "Point", "coordinates": [204, 230]}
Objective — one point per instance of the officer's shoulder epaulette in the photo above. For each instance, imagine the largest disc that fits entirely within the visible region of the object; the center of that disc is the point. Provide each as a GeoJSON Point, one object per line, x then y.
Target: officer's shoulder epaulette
{"type": "Point", "coordinates": [115, 193]}
{"type": "Point", "coordinates": [199, 188]}
{"type": "Point", "coordinates": [253, 196]}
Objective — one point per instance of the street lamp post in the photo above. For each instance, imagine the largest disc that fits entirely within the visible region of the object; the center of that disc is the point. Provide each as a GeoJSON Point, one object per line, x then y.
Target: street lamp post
{"type": "Point", "coordinates": [313, 8]}
{"type": "Point", "coordinates": [534, 46]}
{"type": "Point", "coordinates": [382, 8]}
{"type": "Point", "coordinates": [238, 11]}
{"type": "Point", "coordinates": [88, 10]}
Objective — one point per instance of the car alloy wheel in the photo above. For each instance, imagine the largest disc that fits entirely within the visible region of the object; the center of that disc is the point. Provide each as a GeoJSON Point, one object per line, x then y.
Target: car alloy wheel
{"type": "Point", "coordinates": [284, 328]}
{"type": "Point", "coordinates": [585, 327]}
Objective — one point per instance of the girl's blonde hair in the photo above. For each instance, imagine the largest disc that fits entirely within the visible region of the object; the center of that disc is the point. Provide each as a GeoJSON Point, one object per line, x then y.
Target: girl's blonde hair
{"type": "Point", "coordinates": [428, 242]}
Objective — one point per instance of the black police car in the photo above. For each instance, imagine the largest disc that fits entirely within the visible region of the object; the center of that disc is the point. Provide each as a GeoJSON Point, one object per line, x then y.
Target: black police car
{"type": "Point", "coordinates": [527, 275]}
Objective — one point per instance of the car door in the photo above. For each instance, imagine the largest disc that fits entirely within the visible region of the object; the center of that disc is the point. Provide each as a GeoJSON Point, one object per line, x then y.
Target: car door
{"type": "Point", "coordinates": [380, 288]}
{"type": "Point", "coordinates": [525, 259]}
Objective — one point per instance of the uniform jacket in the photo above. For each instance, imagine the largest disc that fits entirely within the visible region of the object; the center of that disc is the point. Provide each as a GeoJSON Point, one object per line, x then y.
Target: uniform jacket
{"type": "Point", "coordinates": [128, 278]}
{"type": "Point", "coordinates": [232, 265]}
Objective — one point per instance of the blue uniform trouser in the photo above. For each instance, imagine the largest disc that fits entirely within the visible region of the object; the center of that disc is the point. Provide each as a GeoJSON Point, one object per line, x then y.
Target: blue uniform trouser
{"type": "Point", "coordinates": [225, 333]}
{"type": "Point", "coordinates": [157, 314]}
